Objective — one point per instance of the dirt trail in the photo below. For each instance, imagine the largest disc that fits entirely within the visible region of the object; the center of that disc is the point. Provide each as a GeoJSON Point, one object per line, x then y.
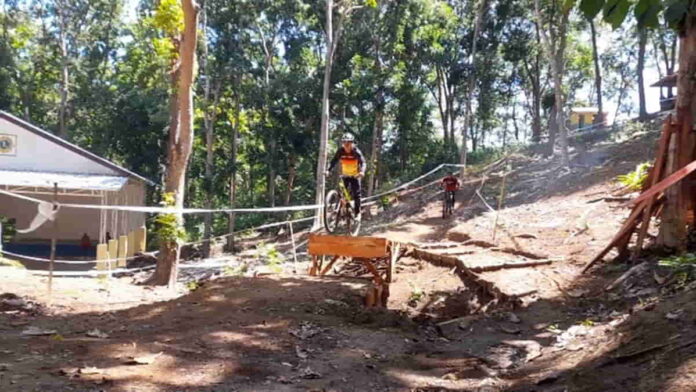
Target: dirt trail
{"type": "Point", "coordinates": [290, 332]}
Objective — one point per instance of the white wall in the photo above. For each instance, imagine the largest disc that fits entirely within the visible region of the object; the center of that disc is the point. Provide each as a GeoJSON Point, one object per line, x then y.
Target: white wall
{"type": "Point", "coordinates": [35, 153]}
{"type": "Point", "coordinates": [72, 223]}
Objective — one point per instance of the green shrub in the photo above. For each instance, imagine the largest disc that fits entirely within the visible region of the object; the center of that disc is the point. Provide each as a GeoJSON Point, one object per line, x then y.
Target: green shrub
{"type": "Point", "coordinates": [636, 179]}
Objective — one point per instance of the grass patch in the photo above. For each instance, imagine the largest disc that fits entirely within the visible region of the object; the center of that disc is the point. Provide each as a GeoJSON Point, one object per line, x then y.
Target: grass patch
{"type": "Point", "coordinates": [11, 263]}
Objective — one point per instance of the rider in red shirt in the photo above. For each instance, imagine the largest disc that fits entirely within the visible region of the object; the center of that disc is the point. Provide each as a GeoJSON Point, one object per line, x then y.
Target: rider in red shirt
{"type": "Point", "coordinates": [451, 185]}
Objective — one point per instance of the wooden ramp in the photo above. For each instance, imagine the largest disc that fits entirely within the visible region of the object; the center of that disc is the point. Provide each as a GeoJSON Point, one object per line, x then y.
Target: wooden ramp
{"type": "Point", "coordinates": [373, 252]}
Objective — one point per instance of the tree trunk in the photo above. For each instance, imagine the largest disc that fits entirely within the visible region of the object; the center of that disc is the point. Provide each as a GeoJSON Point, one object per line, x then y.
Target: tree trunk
{"type": "Point", "coordinates": [560, 118]}
{"type": "Point", "coordinates": [553, 131]}
{"type": "Point", "coordinates": [324, 132]}
{"type": "Point", "coordinates": [64, 74]}
{"type": "Point", "coordinates": [642, 38]}
{"type": "Point", "coordinates": [599, 119]}
{"type": "Point", "coordinates": [271, 171]}
{"type": "Point", "coordinates": [673, 229]}
{"type": "Point", "coordinates": [536, 93]}
{"type": "Point", "coordinates": [233, 175]}
{"type": "Point", "coordinates": [376, 144]}
{"type": "Point", "coordinates": [208, 122]}
{"type": "Point", "coordinates": [292, 174]}
{"type": "Point", "coordinates": [536, 113]}
{"type": "Point", "coordinates": [555, 44]}
{"type": "Point", "coordinates": [514, 122]}
{"type": "Point", "coordinates": [180, 141]}
{"type": "Point", "coordinates": [471, 83]}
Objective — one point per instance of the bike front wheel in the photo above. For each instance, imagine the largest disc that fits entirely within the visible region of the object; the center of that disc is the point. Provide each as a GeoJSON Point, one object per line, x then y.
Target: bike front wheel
{"type": "Point", "coordinates": [353, 224]}
{"type": "Point", "coordinates": [332, 209]}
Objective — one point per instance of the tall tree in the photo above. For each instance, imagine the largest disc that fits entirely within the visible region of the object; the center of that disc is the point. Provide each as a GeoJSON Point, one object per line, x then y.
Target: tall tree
{"type": "Point", "coordinates": [480, 13]}
{"type": "Point", "coordinates": [185, 20]}
{"type": "Point", "coordinates": [332, 36]}
{"type": "Point", "coordinates": [553, 22]}
{"type": "Point", "coordinates": [599, 119]}
{"type": "Point", "coordinates": [640, 67]}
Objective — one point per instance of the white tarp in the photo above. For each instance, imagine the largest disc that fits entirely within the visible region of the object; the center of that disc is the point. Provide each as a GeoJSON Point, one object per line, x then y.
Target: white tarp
{"type": "Point", "coordinates": [64, 180]}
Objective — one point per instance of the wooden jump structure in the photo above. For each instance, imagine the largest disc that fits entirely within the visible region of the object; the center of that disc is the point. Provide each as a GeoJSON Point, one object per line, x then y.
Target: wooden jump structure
{"type": "Point", "coordinates": [370, 251]}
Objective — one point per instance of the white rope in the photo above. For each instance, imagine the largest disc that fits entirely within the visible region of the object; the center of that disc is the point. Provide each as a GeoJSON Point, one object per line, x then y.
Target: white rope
{"type": "Point", "coordinates": [167, 210]}
{"type": "Point", "coordinates": [209, 264]}
{"type": "Point", "coordinates": [171, 210]}
{"type": "Point", "coordinates": [43, 260]}
{"type": "Point", "coordinates": [114, 208]}
{"type": "Point", "coordinates": [407, 184]}
{"type": "Point", "coordinates": [262, 227]}
{"type": "Point", "coordinates": [90, 272]}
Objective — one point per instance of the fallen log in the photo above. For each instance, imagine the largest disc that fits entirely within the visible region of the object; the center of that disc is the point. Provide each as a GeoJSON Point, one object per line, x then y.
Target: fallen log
{"type": "Point", "coordinates": [519, 252]}
{"type": "Point", "coordinates": [434, 245]}
{"type": "Point", "coordinates": [510, 265]}
{"type": "Point", "coordinates": [479, 243]}
{"type": "Point", "coordinates": [634, 270]}
{"type": "Point", "coordinates": [610, 199]}
{"type": "Point", "coordinates": [488, 292]}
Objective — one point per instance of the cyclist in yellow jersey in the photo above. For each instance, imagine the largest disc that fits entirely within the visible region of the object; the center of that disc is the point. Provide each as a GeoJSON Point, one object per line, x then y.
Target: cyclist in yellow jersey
{"type": "Point", "coordinates": [352, 168]}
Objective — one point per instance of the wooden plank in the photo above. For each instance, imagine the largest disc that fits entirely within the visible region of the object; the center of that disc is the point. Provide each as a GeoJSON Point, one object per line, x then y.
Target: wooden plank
{"type": "Point", "coordinates": [333, 245]}
{"type": "Point", "coordinates": [627, 229]}
{"type": "Point", "coordinates": [666, 183]}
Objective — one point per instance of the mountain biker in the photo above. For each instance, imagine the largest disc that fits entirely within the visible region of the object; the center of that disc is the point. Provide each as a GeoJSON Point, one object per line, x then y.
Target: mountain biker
{"type": "Point", "coordinates": [352, 168]}
{"type": "Point", "coordinates": [451, 185]}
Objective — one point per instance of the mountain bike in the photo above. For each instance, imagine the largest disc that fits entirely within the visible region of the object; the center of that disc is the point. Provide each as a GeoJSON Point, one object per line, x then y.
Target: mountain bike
{"type": "Point", "coordinates": [338, 211]}
{"type": "Point", "coordinates": [447, 204]}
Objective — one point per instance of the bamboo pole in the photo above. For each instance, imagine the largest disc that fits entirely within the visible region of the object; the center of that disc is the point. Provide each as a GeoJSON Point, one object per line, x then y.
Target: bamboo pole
{"type": "Point", "coordinates": [294, 248]}
{"type": "Point", "coordinates": [54, 235]}
{"type": "Point", "coordinates": [500, 202]}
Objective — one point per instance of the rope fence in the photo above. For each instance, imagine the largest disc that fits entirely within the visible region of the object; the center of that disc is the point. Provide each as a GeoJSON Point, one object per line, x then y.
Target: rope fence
{"type": "Point", "coordinates": [403, 188]}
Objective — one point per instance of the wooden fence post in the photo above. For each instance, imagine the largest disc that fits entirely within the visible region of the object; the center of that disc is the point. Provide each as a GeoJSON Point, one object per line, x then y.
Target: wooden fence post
{"type": "Point", "coordinates": [122, 251]}
{"type": "Point", "coordinates": [140, 240]}
{"type": "Point", "coordinates": [113, 253]}
{"type": "Point", "coordinates": [102, 254]}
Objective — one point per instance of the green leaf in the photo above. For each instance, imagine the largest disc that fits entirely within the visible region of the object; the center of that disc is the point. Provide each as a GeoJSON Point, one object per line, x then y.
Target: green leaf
{"type": "Point", "coordinates": [646, 12]}
{"type": "Point", "coordinates": [615, 11]}
{"type": "Point", "coordinates": [568, 5]}
{"type": "Point", "coordinates": [675, 11]}
{"type": "Point", "coordinates": [590, 8]}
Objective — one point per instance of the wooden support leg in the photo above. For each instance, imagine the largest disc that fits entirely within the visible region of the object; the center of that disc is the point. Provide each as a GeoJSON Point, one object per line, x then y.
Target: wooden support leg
{"type": "Point", "coordinates": [313, 269]}
{"type": "Point", "coordinates": [385, 295]}
{"type": "Point", "coordinates": [328, 267]}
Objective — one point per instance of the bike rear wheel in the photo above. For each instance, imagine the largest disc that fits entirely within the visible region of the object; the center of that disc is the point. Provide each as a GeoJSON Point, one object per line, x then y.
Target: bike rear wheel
{"type": "Point", "coordinates": [332, 209]}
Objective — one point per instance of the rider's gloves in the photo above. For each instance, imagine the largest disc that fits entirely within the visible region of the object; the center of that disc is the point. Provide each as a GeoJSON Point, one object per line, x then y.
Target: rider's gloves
{"type": "Point", "coordinates": [361, 175]}
{"type": "Point", "coordinates": [327, 173]}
